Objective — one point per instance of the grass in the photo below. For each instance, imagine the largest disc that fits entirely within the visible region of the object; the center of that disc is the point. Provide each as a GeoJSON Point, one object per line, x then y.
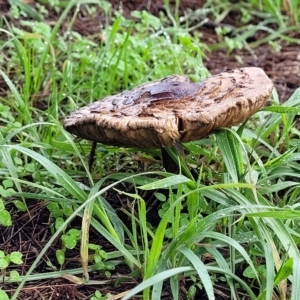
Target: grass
{"type": "Point", "coordinates": [235, 227]}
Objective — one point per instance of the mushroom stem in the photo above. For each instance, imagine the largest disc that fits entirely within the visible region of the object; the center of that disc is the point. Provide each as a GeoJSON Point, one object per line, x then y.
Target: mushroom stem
{"type": "Point", "coordinates": [92, 156]}
{"type": "Point", "coordinates": [169, 163]}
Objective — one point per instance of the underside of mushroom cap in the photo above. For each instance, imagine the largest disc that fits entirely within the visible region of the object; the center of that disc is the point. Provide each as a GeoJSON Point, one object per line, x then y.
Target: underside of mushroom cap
{"type": "Point", "coordinates": [172, 109]}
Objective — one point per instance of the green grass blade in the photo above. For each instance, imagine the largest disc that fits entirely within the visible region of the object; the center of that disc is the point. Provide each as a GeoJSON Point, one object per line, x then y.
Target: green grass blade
{"type": "Point", "coordinates": [231, 153]}
{"type": "Point", "coordinates": [165, 183]}
{"type": "Point", "coordinates": [296, 279]}
{"type": "Point", "coordinates": [155, 279]}
{"type": "Point", "coordinates": [201, 270]}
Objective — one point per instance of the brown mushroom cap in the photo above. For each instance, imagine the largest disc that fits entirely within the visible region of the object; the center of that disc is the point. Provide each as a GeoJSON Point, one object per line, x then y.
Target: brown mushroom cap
{"type": "Point", "coordinates": [173, 109]}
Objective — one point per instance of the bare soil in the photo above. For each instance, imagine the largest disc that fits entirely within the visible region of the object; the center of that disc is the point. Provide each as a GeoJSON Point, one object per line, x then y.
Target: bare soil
{"type": "Point", "coordinates": [31, 231]}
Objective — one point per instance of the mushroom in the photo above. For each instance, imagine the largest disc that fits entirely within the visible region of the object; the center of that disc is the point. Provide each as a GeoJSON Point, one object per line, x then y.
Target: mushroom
{"type": "Point", "coordinates": [172, 110]}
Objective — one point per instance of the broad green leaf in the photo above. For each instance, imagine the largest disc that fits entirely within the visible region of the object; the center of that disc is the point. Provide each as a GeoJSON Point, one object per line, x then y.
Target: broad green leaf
{"type": "Point", "coordinates": [160, 196]}
{"type": "Point", "coordinates": [58, 222]}
{"type": "Point", "coordinates": [3, 263]}
{"type": "Point", "coordinates": [5, 218]}
{"type": "Point", "coordinates": [16, 257]}
{"type": "Point", "coordinates": [261, 270]}
{"type": "Point", "coordinates": [60, 256]}
{"type": "Point", "coordinates": [3, 295]}
{"type": "Point", "coordinates": [14, 276]}
{"type": "Point", "coordinates": [69, 241]}
{"type": "Point", "coordinates": [20, 205]}
{"type": "Point", "coordinates": [7, 183]}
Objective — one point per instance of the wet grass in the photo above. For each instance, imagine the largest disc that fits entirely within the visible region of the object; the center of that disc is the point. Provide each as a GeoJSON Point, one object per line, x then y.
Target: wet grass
{"type": "Point", "coordinates": [234, 229]}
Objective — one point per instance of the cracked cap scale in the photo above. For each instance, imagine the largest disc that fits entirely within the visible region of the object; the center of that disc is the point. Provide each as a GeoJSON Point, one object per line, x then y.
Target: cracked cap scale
{"type": "Point", "coordinates": [172, 109]}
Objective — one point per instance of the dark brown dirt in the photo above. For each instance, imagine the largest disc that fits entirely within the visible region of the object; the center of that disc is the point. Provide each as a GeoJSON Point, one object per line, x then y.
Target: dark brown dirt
{"type": "Point", "coordinates": [31, 231]}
